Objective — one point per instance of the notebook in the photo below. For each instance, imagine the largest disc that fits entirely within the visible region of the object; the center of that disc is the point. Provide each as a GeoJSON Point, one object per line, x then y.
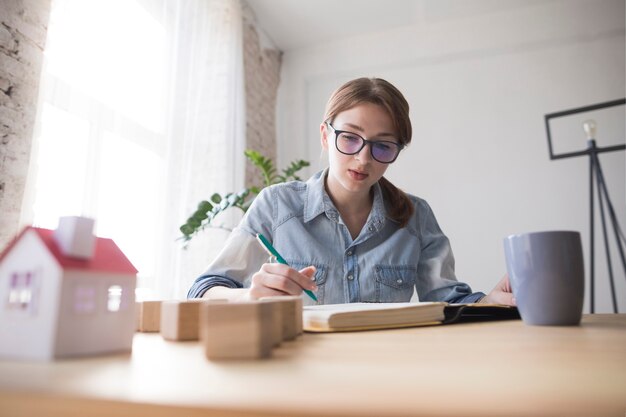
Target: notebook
{"type": "Point", "coordinates": [371, 316]}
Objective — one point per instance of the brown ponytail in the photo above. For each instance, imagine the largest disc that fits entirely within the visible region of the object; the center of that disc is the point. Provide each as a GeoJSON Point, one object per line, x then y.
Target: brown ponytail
{"type": "Point", "coordinates": [383, 93]}
{"type": "Point", "coordinates": [399, 206]}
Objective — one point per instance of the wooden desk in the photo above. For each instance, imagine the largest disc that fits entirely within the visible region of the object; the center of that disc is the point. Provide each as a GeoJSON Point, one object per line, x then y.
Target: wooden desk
{"type": "Point", "coordinates": [485, 369]}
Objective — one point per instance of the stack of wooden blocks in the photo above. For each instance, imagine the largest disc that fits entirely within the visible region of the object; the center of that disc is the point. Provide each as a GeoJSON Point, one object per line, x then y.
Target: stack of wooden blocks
{"type": "Point", "coordinates": [227, 330]}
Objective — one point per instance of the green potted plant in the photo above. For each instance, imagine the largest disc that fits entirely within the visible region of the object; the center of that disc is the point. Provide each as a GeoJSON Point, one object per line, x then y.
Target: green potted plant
{"type": "Point", "coordinates": [207, 210]}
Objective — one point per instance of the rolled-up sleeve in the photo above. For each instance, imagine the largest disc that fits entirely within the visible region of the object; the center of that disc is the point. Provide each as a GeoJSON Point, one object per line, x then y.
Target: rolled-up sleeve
{"type": "Point", "coordinates": [240, 258]}
{"type": "Point", "coordinates": [436, 278]}
{"type": "Point", "coordinates": [242, 255]}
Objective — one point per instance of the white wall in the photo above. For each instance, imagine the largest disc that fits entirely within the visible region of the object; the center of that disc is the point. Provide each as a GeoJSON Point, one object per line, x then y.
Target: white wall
{"type": "Point", "coordinates": [479, 86]}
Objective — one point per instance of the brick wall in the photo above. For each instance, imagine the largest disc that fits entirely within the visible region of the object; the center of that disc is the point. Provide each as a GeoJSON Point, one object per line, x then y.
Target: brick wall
{"type": "Point", "coordinates": [23, 26]}
{"type": "Point", "coordinates": [262, 72]}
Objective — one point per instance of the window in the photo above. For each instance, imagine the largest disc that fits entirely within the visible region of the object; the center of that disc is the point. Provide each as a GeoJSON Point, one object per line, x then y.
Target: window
{"type": "Point", "coordinates": [22, 292]}
{"type": "Point", "coordinates": [101, 147]}
{"type": "Point", "coordinates": [84, 299]}
{"type": "Point", "coordinates": [138, 112]}
{"type": "Point", "coordinates": [114, 301]}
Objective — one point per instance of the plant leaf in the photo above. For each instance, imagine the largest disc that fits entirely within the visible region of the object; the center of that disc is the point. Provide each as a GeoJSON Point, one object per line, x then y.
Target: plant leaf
{"type": "Point", "coordinates": [290, 172]}
{"type": "Point", "coordinates": [204, 206]}
{"type": "Point", "coordinates": [208, 210]}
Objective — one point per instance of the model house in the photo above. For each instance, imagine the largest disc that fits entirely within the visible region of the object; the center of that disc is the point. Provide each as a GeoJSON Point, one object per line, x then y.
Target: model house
{"type": "Point", "coordinates": [65, 293]}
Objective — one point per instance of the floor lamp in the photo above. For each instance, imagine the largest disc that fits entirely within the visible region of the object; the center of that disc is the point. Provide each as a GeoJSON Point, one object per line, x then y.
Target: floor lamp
{"type": "Point", "coordinates": [596, 177]}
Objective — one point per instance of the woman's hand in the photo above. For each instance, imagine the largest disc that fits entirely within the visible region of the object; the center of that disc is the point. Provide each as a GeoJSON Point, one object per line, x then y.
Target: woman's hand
{"type": "Point", "coordinates": [501, 293]}
{"type": "Point", "coordinates": [278, 279]}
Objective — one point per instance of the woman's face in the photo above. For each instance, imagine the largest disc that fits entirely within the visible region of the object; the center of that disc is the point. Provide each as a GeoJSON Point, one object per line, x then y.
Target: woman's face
{"type": "Point", "coordinates": [355, 174]}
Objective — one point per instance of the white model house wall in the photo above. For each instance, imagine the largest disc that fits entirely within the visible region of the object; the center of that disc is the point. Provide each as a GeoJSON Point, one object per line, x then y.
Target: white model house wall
{"type": "Point", "coordinates": [27, 326]}
{"type": "Point", "coordinates": [95, 317]}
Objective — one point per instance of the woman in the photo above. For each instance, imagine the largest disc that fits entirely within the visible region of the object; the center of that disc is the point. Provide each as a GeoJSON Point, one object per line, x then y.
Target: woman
{"type": "Point", "coordinates": [348, 234]}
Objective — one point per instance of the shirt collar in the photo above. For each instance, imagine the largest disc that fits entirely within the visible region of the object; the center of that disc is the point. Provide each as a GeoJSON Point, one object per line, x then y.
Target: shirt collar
{"type": "Point", "coordinates": [318, 201]}
{"type": "Point", "coordinates": [315, 192]}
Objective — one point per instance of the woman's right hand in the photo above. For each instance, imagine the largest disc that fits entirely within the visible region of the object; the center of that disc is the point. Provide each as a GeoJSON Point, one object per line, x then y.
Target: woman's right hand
{"type": "Point", "coordinates": [278, 279]}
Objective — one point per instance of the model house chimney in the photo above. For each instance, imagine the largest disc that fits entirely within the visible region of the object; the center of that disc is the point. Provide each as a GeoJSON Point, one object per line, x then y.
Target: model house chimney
{"type": "Point", "coordinates": [75, 237]}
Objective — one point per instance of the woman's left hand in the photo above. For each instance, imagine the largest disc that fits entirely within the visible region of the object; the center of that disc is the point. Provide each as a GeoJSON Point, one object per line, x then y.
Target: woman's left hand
{"type": "Point", "coordinates": [501, 293]}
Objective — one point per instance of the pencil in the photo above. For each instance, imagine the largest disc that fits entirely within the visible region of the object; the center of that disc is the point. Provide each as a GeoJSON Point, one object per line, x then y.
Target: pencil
{"type": "Point", "coordinates": [272, 251]}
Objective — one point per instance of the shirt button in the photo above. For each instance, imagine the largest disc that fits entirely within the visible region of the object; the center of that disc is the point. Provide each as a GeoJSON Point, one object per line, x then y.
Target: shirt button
{"type": "Point", "coordinates": [350, 277]}
{"type": "Point", "coordinates": [399, 281]}
{"type": "Point", "coordinates": [349, 253]}
{"type": "Point", "coordinates": [371, 228]}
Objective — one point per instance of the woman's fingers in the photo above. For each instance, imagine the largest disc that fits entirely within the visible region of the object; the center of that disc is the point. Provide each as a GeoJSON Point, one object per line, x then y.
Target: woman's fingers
{"type": "Point", "coordinates": [302, 279]}
{"type": "Point", "coordinates": [260, 292]}
{"type": "Point", "coordinates": [278, 279]}
{"type": "Point", "coordinates": [309, 272]}
{"type": "Point", "coordinates": [280, 283]}
{"type": "Point", "coordinates": [501, 293]}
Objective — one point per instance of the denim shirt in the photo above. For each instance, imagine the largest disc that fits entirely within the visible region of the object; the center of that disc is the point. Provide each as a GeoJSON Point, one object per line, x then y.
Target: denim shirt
{"type": "Point", "coordinates": [385, 262]}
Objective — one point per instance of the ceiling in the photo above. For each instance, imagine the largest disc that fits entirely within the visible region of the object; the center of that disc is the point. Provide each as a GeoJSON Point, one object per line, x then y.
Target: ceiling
{"type": "Point", "coordinates": [297, 23]}
{"type": "Point", "coordinates": [294, 24]}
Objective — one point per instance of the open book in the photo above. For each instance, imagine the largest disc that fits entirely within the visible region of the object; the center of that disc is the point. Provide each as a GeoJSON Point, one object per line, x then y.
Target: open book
{"type": "Point", "coordinates": [369, 316]}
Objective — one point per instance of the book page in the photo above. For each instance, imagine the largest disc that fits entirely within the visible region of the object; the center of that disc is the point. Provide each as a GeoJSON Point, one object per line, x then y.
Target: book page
{"type": "Point", "coordinates": [375, 315]}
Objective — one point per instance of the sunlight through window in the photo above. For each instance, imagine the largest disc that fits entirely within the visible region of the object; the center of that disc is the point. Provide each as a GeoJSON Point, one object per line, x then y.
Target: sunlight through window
{"type": "Point", "coordinates": [140, 114]}
{"type": "Point", "coordinates": [101, 136]}
{"type": "Point", "coordinates": [120, 64]}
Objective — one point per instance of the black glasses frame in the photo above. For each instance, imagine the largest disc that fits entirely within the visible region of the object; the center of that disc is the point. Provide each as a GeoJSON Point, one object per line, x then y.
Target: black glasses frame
{"type": "Point", "coordinates": [365, 142]}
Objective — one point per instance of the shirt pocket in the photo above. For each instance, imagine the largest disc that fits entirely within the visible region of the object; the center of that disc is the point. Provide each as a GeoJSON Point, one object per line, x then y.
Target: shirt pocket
{"type": "Point", "coordinates": [321, 272]}
{"type": "Point", "coordinates": [394, 283]}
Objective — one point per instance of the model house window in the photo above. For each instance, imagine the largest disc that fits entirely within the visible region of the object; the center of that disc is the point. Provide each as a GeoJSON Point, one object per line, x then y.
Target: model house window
{"type": "Point", "coordinates": [84, 299]}
{"type": "Point", "coordinates": [114, 302]}
{"type": "Point", "coordinates": [22, 292]}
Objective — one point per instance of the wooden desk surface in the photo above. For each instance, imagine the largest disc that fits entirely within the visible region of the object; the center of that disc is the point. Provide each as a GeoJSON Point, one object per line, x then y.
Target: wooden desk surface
{"type": "Point", "coordinates": [482, 369]}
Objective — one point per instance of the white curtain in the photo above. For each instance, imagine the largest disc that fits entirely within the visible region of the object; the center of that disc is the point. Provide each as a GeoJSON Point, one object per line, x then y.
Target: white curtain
{"type": "Point", "coordinates": [141, 116]}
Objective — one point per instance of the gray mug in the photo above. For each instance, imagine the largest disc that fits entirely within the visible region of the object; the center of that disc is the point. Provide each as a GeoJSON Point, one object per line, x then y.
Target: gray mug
{"type": "Point", "coordinates": [547, 276]}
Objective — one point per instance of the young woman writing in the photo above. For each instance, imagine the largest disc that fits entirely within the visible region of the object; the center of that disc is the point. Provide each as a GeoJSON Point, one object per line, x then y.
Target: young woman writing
{"type": "Point", "coordinates": [347, 233]}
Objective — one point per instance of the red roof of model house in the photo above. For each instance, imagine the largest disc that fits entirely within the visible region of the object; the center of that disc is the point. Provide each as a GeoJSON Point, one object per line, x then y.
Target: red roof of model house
{"type": "Point", "coordinates": [107, 256]}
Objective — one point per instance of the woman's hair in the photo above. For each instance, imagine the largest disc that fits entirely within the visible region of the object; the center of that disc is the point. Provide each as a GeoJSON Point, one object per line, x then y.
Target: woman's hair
{"type": "Point", "coordinates": [380, 92]}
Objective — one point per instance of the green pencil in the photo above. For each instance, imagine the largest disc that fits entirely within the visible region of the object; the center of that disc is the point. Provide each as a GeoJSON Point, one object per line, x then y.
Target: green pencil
{"type": "Point", "coordinates": [272, 251]}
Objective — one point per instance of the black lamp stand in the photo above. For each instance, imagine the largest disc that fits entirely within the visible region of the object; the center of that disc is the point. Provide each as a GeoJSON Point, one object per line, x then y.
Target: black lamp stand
{"type": "Point", "coordinates": [596, 177]}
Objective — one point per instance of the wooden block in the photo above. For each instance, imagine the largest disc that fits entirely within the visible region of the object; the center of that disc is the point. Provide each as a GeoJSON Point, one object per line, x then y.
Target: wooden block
{"type": "Point", "coordinates": [180, 319]}
{"type": "Point", "coordinates": [291, 316]}
{"type": "Point", "coordinates": [237, 330]}
{"type": "Point", "coordinates": [277, 319]}
{"type": "Point", "coordinates": [148, 317]}
{"type": "Point", "coordinates": [299, 327]}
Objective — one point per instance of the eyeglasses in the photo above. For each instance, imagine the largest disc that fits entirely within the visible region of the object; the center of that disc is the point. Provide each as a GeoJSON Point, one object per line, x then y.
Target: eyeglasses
{"type": "Point", "coordinates": [349, 143]}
